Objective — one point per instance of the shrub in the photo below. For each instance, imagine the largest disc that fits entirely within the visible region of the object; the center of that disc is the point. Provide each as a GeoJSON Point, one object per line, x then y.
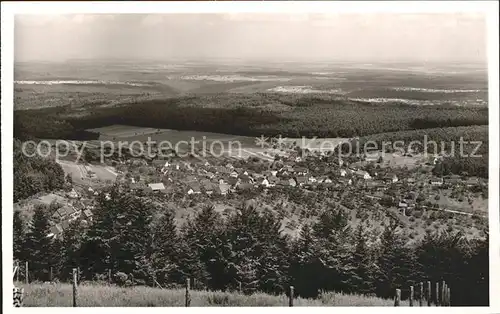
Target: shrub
{"type": "Point", "coordinates": [120, 278]}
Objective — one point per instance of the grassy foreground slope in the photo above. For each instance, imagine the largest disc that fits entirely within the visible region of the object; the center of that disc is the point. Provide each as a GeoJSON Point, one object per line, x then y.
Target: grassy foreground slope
{"type": "Point", "coordinates": [60, 295]}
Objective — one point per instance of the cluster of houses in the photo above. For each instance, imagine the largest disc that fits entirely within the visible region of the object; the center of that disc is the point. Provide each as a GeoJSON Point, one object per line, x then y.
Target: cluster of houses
{"type": "Point", "coordinates": [204, 178]}
{"type": "Point", "coordinates": [64, 215]}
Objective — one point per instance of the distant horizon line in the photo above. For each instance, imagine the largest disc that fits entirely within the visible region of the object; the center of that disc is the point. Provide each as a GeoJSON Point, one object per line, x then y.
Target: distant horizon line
{"type": "Point", "coordinates": [249, 60]}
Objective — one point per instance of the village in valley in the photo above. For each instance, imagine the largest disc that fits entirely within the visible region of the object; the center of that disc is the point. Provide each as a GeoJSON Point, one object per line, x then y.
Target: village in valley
{"type": "Point", "coordinates": [298, 182]}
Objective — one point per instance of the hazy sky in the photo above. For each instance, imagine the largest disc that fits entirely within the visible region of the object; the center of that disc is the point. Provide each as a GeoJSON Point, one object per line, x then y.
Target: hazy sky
{"type": "Point", "coordinates": [367, 37]}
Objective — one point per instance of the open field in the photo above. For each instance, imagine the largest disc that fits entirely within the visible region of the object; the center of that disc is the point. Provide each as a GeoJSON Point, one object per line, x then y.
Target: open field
{"type": "Point", "coordinates": [86, 174]}
{"type": "Point", "coordinates": [60, 295]}
{"type": "Point", "coordinates": [210, 141]}
{"type": "Point", "coordinates": [477, 203]}
{"type": "Point", "coordinates": [55, 84]}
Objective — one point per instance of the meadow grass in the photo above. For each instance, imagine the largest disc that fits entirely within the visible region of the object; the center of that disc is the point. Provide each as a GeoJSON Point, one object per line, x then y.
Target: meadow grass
{"type": "Point", "coordinates": [92, 295]}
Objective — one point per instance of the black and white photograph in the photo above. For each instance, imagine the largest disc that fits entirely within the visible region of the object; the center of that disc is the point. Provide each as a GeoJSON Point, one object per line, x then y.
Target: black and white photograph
{"type": "Point", "coordinates": [283, 158]}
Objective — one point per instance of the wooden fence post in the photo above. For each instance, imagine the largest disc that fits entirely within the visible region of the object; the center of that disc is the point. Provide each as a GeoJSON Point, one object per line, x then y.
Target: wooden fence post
{"type": "Point", "coordinates": [27, 274]}
{"type": "Point", "coordinates": [109, 276]}
{"type": "Point", "coordinates": [443, 294]}
{"type": "Point", "coordinates": [437, 293]}
{"type": "Point", "coordinates": [188, 297]}
{"type": "Point", "coordinates": [290, 297]}
{"type": "Point", "coordinates": [75, 278]}
{"type": "Point", "coordinates": [411, 295]}
{"type": "Point", "coordinates": [240, 287]}
{"type": "Point", "coordinates": [421, 295]}
{"type": "Point", "coordinates": [17, 271]}
{"type": "Point", "coordinates": [429, 294]}
{"type": "Point", "coordinates": [397, 297]}
{"type": "Point", "coordinates": [449, 296]}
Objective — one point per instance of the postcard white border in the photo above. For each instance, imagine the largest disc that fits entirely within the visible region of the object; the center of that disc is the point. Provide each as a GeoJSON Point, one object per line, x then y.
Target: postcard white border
{"type": "Point", "coordinates": [9, 9]}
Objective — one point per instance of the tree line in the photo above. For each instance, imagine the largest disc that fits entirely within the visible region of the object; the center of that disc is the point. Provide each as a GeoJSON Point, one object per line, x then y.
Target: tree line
{"type": "Point", "coordinates": [140, 243]}
{"type": "Point", "coordinates": [249, 115]}
{"type": "Point", "coordinates": [446, 141]}
{"type": "Point", "coordinates": [34, 174]}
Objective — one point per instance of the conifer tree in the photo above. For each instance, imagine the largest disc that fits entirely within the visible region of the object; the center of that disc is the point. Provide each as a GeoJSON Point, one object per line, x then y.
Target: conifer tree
{"type": "Point", "coordinates": [165, 249]}
{"type": "Point", "coordinates": [39, 245]}
{"type": "Point", "coordinates": [396, 263]}
{"type": "Point", "coordinates": [119, 239]}
{"type": "Point", "coordinates": [19, 237]}
{"type": "Point", "coordinates": [333, 236]}
{"type": "Point", "coordinates": [203, 238]}
{"type": "Point", "coordinates": [71, 248]}
{"type": "Point", "coordinates": [362, 281]}
{"type": "Point", "coordinates": [305, 264]}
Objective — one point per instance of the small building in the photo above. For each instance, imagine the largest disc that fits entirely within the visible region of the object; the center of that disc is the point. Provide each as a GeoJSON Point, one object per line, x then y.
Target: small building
{"type": "Point", "coordinates": [191, 178]}
{"type": "Point", "coordinates": [245, 178]}
{"type": "Point", "coordinates": [65, 211]}
{"type": "Point", "coordinates": [273, 180]}
{"type": "Point", "coordinates": [245, 186]}
{"type": "Point", "coordinates": [343, 173]}
{"type": "Point", "coordinates": [232, 181]}
{"type": "Point", "coordinates": [301, 170]}
{"type": "Point", "coordinates": [391, 178]}
{"type": "Point", "coordinates": [88, 214]}
{"type": "Point", "coordinates": [453, 181]}
{"type": "Point", "coordinates": [73, 194]}
{"type": "Point", "coordinates": [374, 185]}
{"type": "Point", "coordinates": [265, 182]}
{"type": "Point", "coordinates": [65, 224]}
{"type": "Point", "coordinates": [208, 187]}
{"type": "Point", "coordinates": [437, 182]}
{"type": "Point", "coordinates": [55, 230]}
{"type": "Point", "coordinates": [292, 182]}
{"type": "Point", "coordinates": [362, 174]}
{"type": "Point", "coordinates": [158, 163]}
{"type": "Point", "coordinates": [194, 188]}
{"type": "Point", "coordinates": [403, 204]}
{"type": "Point", "coordinates": [223, 188]}
{"type": "Point", "coordinates": [157, 186]}
{"type": "Point", "coordinates": [473, 181]}
{"type": "Point", "coordinates": [345, 181]}
{"type": "Point", "coordinates": [301, 180]}
{"type": "Point", "coordinates": [137, 186]}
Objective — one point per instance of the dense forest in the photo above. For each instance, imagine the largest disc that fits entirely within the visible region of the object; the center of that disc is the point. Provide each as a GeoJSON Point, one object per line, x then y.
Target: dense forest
{"type": "Point", "coordinates": [251, 115]}
{"type": "Point", "coordinates": [34, 174]}
{"type": "Point", "coordinates": [139, 243]}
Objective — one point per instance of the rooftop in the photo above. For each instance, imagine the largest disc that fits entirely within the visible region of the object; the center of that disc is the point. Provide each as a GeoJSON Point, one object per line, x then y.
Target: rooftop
{"type": "Point", "coordinates": [156, 186]}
